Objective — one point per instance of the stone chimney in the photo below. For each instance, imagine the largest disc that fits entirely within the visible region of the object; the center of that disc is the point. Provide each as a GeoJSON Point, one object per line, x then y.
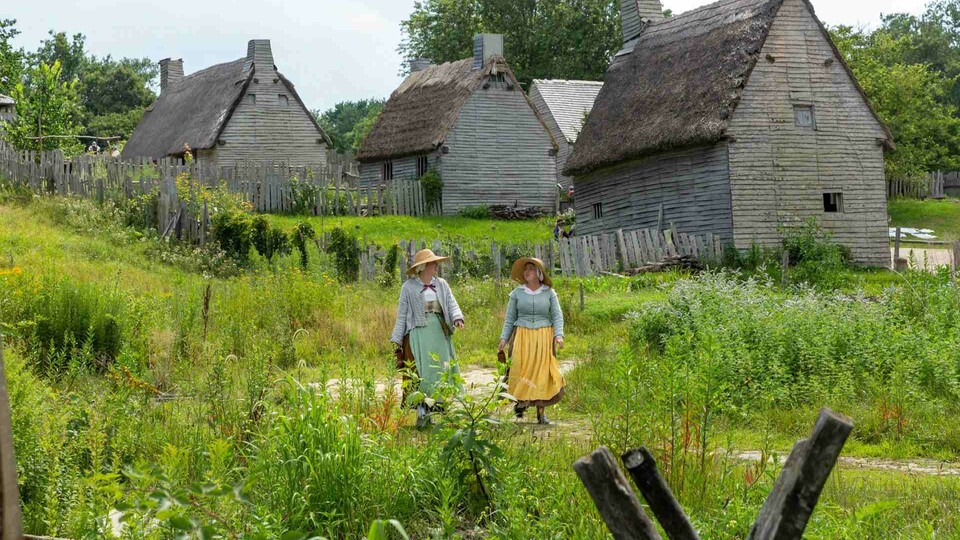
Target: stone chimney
{"type": "Point", "coordinates": [171, 71]}
{"type": "Point", "coordinates": [485, 46]}
{"type": "Point", "coordinates": [259, 54]}
{"type": "Point", "coordinates": [635, 14]}
{"type": "Point", "coordinates": [419, 64]}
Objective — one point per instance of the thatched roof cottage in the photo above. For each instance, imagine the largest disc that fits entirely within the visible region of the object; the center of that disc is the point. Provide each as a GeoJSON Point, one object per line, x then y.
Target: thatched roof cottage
{"type": "Point", "coordinates": [564, 106]}
{"type": "Point", "coordinates": [8, 110]}
{"type": "Point", "coordinates": [471, 122]}
{"type": "Point", "coordinates": [738, 118]}
{"type": "Point", "coordinates": [239, 111]}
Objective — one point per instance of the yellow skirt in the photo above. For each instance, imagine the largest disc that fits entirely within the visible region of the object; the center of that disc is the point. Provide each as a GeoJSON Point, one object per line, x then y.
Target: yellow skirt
{"type": "Point", "coordinates": [535, 379]}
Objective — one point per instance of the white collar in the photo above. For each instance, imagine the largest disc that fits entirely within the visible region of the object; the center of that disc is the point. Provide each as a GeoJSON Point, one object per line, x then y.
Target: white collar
{"type": "Point", "coordinates": [528, 290]}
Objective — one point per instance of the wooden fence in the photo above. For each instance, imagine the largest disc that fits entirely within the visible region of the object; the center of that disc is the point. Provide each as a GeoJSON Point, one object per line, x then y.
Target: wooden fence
{"type": "Point", "coordinates": [579, 256]}
{"type": "Point", "coordinates": [932, 187]}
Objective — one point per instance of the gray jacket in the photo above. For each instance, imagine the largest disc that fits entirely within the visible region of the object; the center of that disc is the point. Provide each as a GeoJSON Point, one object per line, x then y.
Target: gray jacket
{"type": "Point", "coordinates": [533, 311]}
{"type": "Point", "coordinates": [410, 310]}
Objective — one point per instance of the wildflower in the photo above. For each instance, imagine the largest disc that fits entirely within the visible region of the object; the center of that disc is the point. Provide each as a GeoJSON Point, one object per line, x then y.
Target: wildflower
{"type": "Point", "coordinates": [15, 271]}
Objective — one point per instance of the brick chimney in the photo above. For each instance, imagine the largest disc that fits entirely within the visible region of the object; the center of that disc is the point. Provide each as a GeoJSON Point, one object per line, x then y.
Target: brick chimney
{"type": "Point", "coordinates": [485, 46]}
{"type": "Point", "coordinates": [419, 64]}
{"type": "Point", "coordinates": [635, 14]}
{"type": "Point", "coordinates": [260, 54]}
{"type": "Point", "coordinates": [171, 71]}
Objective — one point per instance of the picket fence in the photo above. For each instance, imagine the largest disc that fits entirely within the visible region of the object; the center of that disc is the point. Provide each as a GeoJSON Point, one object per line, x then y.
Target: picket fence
{"type": "Point", "coordinates": [582, 256]}
{"type": "Point", "coordinates": [275, 187]}
{"type": "Point", "coordinates": [932, 187]}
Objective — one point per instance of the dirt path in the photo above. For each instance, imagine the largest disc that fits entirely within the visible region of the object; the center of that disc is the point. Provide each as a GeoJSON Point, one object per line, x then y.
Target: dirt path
{"type": "Point", "coordinates": [918, 466]}
{"type": "Point", "coordinates": [925, 258]}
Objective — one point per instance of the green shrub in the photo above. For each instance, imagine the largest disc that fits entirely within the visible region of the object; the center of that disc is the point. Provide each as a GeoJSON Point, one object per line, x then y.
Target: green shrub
{"type": "Point", "coordinates": [233, 231]}
{"type": "Point", "coordinates": [346, 253]}
{"type": "Point", "coordinates": [432, 191]}
{"type": "Point", "coordinates": [303, 232]}
{"type": "Point", "coordinates": [268, 241]}
{"type": "Point", "coordinates": [475, 212]}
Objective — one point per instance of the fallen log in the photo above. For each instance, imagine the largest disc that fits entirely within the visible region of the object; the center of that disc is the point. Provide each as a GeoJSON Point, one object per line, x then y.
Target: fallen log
{"type": "Point", "coordinates": [674, 262]}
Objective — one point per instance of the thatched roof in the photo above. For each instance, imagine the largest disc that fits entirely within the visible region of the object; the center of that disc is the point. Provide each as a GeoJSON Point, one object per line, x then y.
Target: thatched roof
{"type": "Point", "coordinates": [425, 107]}
{"type": "Point", "coordinates": [680, 84]}
{"type": "Point", "coordinates": [568, 102]}
{"type": "Point", "coordinates": [195, 110]}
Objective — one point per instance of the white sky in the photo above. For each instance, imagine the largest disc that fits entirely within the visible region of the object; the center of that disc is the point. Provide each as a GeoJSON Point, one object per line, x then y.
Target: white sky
{"type": "Point", "coordinates": [332, 50]}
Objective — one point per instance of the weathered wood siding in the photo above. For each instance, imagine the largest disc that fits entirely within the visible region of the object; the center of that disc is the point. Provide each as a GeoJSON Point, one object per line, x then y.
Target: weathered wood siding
{"type": "Point", "coordinates": [499, 153]}
{"type": "Point", "coordinates": [779, 172]}
{"type": "Point", "coordinates": [269, 130]}
{"type": "Point", "coordinates": [691, 185]}
{"type": "Point", "coordinates": [404, 168]}
{"type": "Point", "coordinates": [563, 146]}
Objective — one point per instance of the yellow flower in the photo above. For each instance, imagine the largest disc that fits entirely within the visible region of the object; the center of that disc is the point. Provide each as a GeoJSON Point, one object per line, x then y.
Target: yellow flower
{"type": "Point", "coordinates": [15, 271]}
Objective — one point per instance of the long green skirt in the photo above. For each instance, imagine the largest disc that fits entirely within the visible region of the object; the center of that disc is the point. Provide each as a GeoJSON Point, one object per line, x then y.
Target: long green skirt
{"type": "Point", "coordinates": [427, 341]}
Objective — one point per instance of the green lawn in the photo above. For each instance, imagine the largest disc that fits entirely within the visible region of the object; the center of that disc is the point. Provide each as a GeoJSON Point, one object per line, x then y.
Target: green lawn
{"type": "Point", "coordinates": [473, 232]}
{"type": "Point", "coordinates": [942, 216]}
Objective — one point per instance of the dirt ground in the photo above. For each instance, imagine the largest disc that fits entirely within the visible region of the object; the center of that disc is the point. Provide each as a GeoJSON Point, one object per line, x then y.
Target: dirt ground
{"type": "Point", "coordinates": [925, 258]}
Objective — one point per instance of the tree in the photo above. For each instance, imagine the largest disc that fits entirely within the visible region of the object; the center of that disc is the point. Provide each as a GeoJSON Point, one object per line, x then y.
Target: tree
{"type": "Point", "coordinates": [70, 53]}
{"type": "Point", "coordinates": [108, 86]}
{"type": "Point", "coordinates": [11, 60]}
{"type": "Point", "coordinates": [570, 39]}
{"type": "Point", "coordinates": [363, 127]}
{"type": "Point", "coordinates": [340, 121]}
{"type": "Point", "coordinates": [910, 98]}
{"type": "Point", "coordinates": [46, 105]}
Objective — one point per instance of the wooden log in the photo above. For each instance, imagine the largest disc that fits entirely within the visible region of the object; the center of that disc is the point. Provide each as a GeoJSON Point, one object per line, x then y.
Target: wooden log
{"type": "Point", "coordinates": [795, 493]}
{"type": "Point", "coordinates": [611, 493]}
{"type": "Point", "coordinates": [10, 519]}
{"type": "Point", "coordinates": [643, 469]}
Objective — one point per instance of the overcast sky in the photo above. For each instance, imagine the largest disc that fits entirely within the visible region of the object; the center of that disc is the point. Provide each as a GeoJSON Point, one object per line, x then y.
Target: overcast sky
{"type": "Point", "coordinates": [332, 50]}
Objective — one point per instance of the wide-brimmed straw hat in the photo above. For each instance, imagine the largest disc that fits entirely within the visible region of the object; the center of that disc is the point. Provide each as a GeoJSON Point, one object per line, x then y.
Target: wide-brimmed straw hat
{"type": "Point", "coordinates": [424, 256]}
{"type": "Point", "coordinates": [517, 271]}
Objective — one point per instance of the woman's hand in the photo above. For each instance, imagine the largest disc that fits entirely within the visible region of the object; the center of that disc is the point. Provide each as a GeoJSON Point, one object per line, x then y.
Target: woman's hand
{"type": "Point", "coordinates": [559, 341]}
{"type": "Point", "coordinates": [458, 323]}
{"type": "Point", "coordinates": [503, 343]}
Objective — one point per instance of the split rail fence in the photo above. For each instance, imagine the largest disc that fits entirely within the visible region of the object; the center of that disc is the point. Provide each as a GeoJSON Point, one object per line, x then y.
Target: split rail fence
{"type": "Point", "coordinates": [269, 188]}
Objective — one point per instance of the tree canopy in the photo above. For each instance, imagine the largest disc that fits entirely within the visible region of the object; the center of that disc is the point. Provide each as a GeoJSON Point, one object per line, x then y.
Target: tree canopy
{"type": "Point", "coordinates": [551, 39]}
{"type": "Point", "coordinates": [340, 121]}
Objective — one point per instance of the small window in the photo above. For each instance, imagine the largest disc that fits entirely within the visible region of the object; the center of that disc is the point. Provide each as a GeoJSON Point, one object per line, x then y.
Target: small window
{"type": "Point", "coordinates": [252, 98]}
{"type": "Point", "coordinates": [597, 210]}
{"type": "Point", "coordinates": [833, 202]}
{"type": "Point", "coordinates": [387, 170]}
{"type": "Point", "coordinates": [422, 165]}
{"type": "Point", "coordinates": [803, 116]}
{"type": "Point", "coordinates": [284, 100]}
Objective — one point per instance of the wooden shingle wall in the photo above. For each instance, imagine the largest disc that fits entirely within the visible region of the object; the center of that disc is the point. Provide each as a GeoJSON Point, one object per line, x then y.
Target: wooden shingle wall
{"type": "Point", "coordinates": [563, 146]}
{"type": "Point", "coordinates": [270, 130]}
{"type": "Point", "coordinates": [689, 185]}
{"type": "Point", "coordinates": [779, 172]}
{"type": "Point", "coordinates": [499, 153]}
{"type": "Point", "coordinates": [404, 168]}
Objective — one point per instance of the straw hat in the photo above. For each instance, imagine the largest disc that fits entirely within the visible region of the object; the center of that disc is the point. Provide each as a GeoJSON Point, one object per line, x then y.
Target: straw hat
{"type": "Point", "coordinates": [424, 256]}
{"type": "Point", "coordinates": [517, 271]}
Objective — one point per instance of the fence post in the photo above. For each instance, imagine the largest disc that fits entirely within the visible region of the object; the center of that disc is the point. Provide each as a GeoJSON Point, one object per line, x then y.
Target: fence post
{"type": "Point", "coordinates": [611, 493]}
{"type": "Point", "coordinates": [956, 260]}
{"type": "Point", "coordinates": [10, 520]}
{"type": "Point", "coordinates": [643, 469]}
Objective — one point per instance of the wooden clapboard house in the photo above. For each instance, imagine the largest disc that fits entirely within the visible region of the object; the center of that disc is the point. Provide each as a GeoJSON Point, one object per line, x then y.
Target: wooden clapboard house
{"type": "Point", "coordinates": [564, 106]}
{"type": "Point", "coordinates": [738, 118]}
{"type": "Point", "coordinates": [8, 111]}
{"type": "Point", "coordinates": [471, 122]}
{"type": "Point", "coordinates": [231, 113]}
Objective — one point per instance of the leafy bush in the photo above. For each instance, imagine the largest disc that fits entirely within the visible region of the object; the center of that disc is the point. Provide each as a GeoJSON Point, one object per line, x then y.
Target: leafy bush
{"type": "Point", "coordinates": [269, 241]}
{"type": "Point", "coordinates": [390, 264]}
{"type": "Point", "coordinates": [233, 230]}
{"type": "Point", "coordinates": [815, 257]}
{"type": "Point", "coordinates": [301, 234]}
{"type": "Point", "coordinates": [474, 212]}
{"type": "Point", "coordinates": [432, 190]}
{"type": "Point", "coordinates": [304, 194]}
{"type": "Point", "coordinates": [346, 253]}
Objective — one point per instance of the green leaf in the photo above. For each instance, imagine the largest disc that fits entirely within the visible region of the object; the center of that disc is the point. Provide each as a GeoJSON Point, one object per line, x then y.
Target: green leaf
{"type": "Point", "coordinates": [180, 523]}
{"type": "Point", "coordinates": [293, 535]}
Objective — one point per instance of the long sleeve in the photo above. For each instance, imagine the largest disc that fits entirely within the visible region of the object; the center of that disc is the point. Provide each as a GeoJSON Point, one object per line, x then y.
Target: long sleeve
{"type": "Point", "coordinates": [455, 313]}
{"type": "Point", "coordinates": [510, 319]}
{"type": "Point", "coordinates": [400, 326]}
{"type": "Point", "coordinates": [556, 314]}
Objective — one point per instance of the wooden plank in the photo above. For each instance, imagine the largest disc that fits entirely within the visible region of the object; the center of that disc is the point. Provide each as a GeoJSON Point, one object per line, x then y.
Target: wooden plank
{"type": "Point", "coordinates": [790, 504]}
{"type": "Point", "coordinates": [611, 493]}
{"type": "Point", "coordinates": [643, 469]}
{"type": "Point", "coordinates": [10, 520]}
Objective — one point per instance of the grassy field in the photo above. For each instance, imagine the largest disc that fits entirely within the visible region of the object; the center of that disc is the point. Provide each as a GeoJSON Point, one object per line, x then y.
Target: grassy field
{"type": "Point", "coordinates": [129, 395]}
{"type": "Point", "coordinates": [942, 216]}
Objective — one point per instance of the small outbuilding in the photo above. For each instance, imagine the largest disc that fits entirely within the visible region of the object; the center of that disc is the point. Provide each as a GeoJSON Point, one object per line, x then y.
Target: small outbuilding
{"type": "Point", "coordinates": [564, 106]}
{"type": "Point", "coordinates": [739, 118]}
{"type": "Point", "coordinates": [239, 111]}
{"type": "Point", "coordinates": [8, 110]}
{"type": "Point", "coordinates": [471, 122]}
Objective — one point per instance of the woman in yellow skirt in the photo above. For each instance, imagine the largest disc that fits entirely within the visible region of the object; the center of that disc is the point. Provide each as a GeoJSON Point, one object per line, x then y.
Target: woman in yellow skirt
{"type": "Point", "coordinates": [534, 331]}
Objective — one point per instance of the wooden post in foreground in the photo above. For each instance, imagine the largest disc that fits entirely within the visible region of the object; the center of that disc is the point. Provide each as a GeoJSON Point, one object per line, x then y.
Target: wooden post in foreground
{"type": "Point", "coordinates": [795, 494]}
{"type": "Point", "coordinates": [9, 497]}
{"type": "Point", "coordinates": [615, 500]}
{"type": "Point", "coordinates": [956, 260]}
{"type": "Point", "coordinates": [643, 469]}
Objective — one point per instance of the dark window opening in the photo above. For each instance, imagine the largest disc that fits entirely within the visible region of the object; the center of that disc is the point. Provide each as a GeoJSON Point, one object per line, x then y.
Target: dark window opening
{"type": "Point", "coordinates": [833, 202]}
{"type": "Point", "coordinates": [284, 100]}
{"type": "Point", "coordinates": [387, 170]}
{"type": "Point", "coordinates": [597, 210]}
{"type": "Point", "coordinates": [803, 116]}
{"type": "Point", "coordinates": [422, 165]}
{"type": "Point", "coordinates": [252, 98]}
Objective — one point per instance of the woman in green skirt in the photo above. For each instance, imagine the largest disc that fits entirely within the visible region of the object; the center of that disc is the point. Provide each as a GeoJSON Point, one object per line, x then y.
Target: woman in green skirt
{"type": "Point", "coordinates": [426, 318]}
